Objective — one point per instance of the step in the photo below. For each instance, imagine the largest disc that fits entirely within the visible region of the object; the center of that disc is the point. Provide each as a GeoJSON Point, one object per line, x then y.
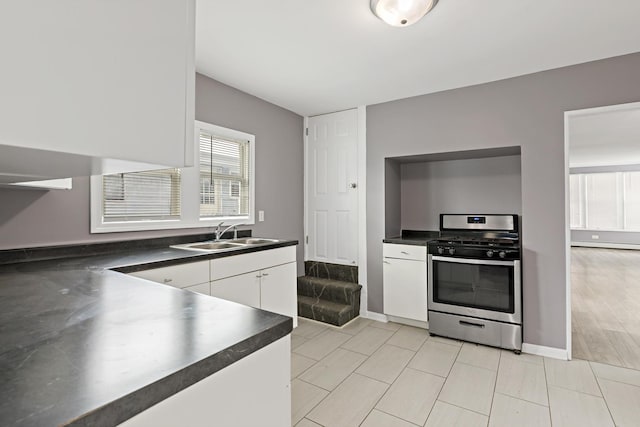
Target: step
{"type": "Point", "coordinates": [325, 270]}
{"type": "Point", "coordinates": [326, 311]}
{"type": "Point", "coordinates": [330, 290]}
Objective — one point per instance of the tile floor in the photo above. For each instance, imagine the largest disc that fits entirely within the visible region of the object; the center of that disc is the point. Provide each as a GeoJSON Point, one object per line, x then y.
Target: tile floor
{"type": "Point", "coordinates": [374, 374]}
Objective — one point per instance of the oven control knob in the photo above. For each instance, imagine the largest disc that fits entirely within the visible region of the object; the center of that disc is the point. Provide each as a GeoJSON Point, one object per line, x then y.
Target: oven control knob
{"type": "Point", "coordinates": [502, 254]}
{"type": "Point", "coordinates": [452, 251]}
{"type": "Point", "coordinates": [440, 250]}
{"type": "Point", "coordinates": [489, 254]}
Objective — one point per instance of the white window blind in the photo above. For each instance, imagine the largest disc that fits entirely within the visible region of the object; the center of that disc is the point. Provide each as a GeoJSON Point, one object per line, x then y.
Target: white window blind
{"type": "Point", "coordinates": [632, 201]}
{"type": "Point", "coordinates": [141, 196]}
{"type": "Point", "coordinates": [576, 193]}
{"type": "Point", "coordinates": [602, 201]}
{"type": "Point", "coordinates": [224, 176]}
{"type": "Point", "coordinates": [219, 187]}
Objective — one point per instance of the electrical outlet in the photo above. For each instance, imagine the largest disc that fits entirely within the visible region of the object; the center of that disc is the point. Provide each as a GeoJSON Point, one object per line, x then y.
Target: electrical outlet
{"type": "Point", "coordinates": [595, 236]}
{"type": "Point", "coordinates": [260, 216]}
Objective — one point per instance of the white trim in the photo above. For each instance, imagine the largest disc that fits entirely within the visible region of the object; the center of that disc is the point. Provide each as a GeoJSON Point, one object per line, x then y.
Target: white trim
{"type": "Point", "coordinates": [567, 238]}
{"type": "Point", "coordinates": [379, 317]}
{"type": "Point", "coordinates": [567, 213]}
{"type": "Point", "coordinates": [541, 350]}
{"type": "Point", "coordinates": [190, 217]}
{"type": "Point", "coordinates": [362, 207]}
{"type": "Point", "coordinates": [305, 138]}
{"type": "Point", "coordinates": [606, 245]}
{"type": "Point", "coordinates": [410, 322]}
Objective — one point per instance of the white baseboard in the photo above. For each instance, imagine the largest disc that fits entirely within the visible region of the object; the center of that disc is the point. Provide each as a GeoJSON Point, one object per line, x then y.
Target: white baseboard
{"type": "Point", "coordinates": [606, 245]}
{"type": "Point", "coordinates": [410, 322]}
{"type": "Point", "coordinates": [540, 350]}
{"type": "Point", "coordinates": [375, 316]}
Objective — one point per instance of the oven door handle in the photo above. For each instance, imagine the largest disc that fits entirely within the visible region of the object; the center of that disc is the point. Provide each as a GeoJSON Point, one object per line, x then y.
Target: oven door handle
{"type": "Point", "coordinates": [473, 261]}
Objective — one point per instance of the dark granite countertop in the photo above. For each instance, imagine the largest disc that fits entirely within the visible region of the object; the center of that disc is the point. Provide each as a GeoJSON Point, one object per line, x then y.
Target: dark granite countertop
{"type": "Point", "coordinates": [413, 237]}
{"type": "Point", "coordinates": [83, 345]}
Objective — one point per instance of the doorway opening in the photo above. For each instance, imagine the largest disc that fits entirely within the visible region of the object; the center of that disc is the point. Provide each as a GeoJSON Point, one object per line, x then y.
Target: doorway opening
{"type": "Point", "coordinates": [602, 171]}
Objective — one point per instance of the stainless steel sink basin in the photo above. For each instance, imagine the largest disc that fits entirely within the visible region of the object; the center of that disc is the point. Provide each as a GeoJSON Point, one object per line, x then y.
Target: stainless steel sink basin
{"type": "Point", "coordinates": [210, 246]}
{"type": "Point", "coordinates": [215, 245]}
{"type": "Point", "coordinates": [254, 241]}
{"type": "Point", "coordinates": [225, 245]}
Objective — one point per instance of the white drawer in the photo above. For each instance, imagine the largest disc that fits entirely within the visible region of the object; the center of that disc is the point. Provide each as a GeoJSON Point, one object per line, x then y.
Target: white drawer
{"type": "Point", "coordinates": [239, 264]}
{"type": "Point", "coordinates": [392, 250]}
{"type": "Point", "coordinates": [180, 276]}
{"type": "Point", "coordinates": [202, 288]}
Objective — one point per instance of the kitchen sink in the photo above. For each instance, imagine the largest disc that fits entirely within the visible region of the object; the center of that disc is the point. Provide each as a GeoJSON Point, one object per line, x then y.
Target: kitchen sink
{"type": "Point", "coordinates": [225, 245]}
{"type": "Point", "coordinates": [209, 246]}
{"type": "Point", "coordinates": [214, 245]}
{"type": "Point", "coordinates": [254, 241]}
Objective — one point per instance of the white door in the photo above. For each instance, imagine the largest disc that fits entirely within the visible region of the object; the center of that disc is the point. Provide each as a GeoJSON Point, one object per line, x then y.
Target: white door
{"type": "Point", "coordinates": [332, 188]}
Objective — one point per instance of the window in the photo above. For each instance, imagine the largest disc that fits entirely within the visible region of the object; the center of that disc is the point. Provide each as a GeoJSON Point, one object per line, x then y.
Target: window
{"type": "Point", "coordinates": [605, 201]}
{"type": "Point", "coordinates": [220, 187]}
{"type": "Point", "coordinates": [224, 167]}
{"type": "Point", "coordinates": [141, 196]}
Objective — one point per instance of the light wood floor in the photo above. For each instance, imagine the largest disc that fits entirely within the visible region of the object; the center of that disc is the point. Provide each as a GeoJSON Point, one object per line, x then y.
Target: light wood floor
{"type": "Point", "coordinates": [605, 306]}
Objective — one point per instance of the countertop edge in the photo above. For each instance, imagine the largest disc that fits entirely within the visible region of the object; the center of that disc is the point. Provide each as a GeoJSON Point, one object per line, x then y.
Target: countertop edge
{"type": "Point", "coordinates": [195, 256]}
{"type": "Point", "coordinates": [126, 407]}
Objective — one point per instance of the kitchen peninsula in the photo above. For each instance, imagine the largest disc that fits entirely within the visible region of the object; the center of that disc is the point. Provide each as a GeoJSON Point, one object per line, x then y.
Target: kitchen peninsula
{"type": "Point", "coordinates": [83, 344]}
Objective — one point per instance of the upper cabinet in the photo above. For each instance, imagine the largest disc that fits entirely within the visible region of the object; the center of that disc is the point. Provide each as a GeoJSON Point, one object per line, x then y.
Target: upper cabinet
{"type": "Point", "coordinates": [95, 87]}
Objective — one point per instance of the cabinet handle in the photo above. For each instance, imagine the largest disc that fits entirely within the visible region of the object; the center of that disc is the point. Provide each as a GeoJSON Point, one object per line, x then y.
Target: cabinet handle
{"type": "Point", "coordinates": [475, 325]}
{"type": "Point", "coordinates": [168, 280]}
{"type": "Point", "coordinates": [404, 253]}
{"type": "Point", "coordinates": [386, 262]}
{"type": "Point", "coordinates": [265, 274]}
{"type": "Point", "coordinates": [258, 276]}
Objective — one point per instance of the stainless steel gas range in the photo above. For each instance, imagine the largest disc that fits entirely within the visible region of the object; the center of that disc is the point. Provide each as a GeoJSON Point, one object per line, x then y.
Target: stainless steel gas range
{"type": "Point", "coordinates": [474, 280]}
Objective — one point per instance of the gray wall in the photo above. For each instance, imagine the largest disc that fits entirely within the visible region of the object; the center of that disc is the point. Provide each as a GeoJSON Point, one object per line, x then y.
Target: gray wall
{"type": "Point", "coordinates": [393, 201]}
{"type": "Point", "coordinates": [489, 185]}
{"type": "Point", "coordinates": [526, 111]}
{"type": "Point", "coordinates": [36, 218]}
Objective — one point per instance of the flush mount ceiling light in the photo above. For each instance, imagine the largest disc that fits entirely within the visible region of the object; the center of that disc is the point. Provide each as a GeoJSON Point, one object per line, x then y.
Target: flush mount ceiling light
{"type": "Point", "coordinates": [401, 13]}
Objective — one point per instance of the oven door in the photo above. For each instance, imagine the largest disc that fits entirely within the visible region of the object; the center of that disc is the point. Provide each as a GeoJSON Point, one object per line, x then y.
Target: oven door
{"type": "Point", "coordinates": [478, 288]}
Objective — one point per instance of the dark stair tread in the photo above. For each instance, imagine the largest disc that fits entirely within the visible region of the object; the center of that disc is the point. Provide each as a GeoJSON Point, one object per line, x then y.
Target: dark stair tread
{"type": "Point", "coordinates": [325, 311]}
{"type": "Point", "coordinates": [330, 283]}
{"type": "Point", "coordinates": [329, 289]}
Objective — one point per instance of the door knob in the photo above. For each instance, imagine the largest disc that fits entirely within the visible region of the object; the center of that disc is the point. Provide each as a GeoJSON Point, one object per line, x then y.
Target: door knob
{"type": "Point", "coordinates": [353, 185]}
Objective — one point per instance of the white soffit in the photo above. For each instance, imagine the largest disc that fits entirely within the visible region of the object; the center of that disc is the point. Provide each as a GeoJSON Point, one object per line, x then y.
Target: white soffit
{"type": "Point", "coordinates": [319, 56]}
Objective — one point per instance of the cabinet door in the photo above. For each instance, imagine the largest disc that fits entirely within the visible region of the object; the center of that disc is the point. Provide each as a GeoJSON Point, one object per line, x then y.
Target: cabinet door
{"type": "Point", "coordinates": [254, 261]}
{"type": "Point", "coordinates": [202, 288]}
{"type": "Point", "coordinates": [405, 288]}
{"type": "Point", "coordinates": [83, 78]}
{"type": "Point", "coordinates": [243, 289]}
{"type": "Point", "coordinates": [179, 276]}
{"type": "Point", "coordinates": [278, 290]}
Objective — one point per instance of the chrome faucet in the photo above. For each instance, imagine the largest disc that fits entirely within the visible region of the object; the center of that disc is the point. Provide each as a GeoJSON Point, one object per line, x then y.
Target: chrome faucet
{"type": "Point", "coordinates": [220, 231]}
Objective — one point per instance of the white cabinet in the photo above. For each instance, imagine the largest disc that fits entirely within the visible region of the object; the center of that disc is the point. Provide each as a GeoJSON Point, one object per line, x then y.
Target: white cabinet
{"type": "Point", "coordinates": [95, 86]}
{"type": "Point", "coordinates": [405, 282]}
{"type": "Point", "coordinates": [193, 276]}
{"type": "Point", "coordinates": [243, 289]}
{"type": "Point", "coordinates": [254, 391]}
{"type": "Point", "coordinates": [202, 288]}
{"type": "Point", "coordinates": [278, 290]}
{"type": "Point", "coordinates": [265, 279]}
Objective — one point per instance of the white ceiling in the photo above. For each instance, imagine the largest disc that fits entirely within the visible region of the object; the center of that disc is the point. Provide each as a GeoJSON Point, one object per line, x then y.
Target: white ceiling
{"type": "Point", "coordinates": [607, 138]}
{"type": "Point", "coordinates": [319, 56]}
